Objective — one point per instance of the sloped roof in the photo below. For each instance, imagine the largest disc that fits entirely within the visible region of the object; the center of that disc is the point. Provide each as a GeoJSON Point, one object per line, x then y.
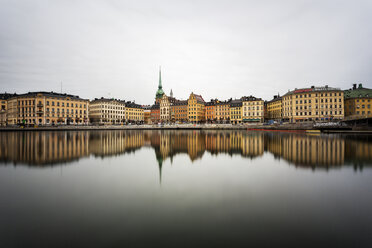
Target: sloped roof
{"type": "Point", "coordinates": [358, 92]}
{"type": "Point", "coordinates": [5, 96]}
{"type": "Point", "coordinates": [50, 94]}
{"type": "Point", "coordinates": [311, 89]}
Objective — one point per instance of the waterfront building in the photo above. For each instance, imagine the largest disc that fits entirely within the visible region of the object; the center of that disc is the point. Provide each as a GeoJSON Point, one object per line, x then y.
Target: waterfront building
{"type": "Point", "coordinates": [236, 111]}
{"type": "Point", "coordinates": [107, 111]}
{"type": "Point", "coordinates": [223, 111]}
{"type": "Point", "coordinates": [179, 111]}
{"type": "Point", "coordinates": [155, 114]}
{"type": "Point", "coordinates": [44, 108]}
{"type": "Point", "coordinates": [159, 93]}
{"type": "Point", "coordinates": [134, 113]}
{"type": "Point", "coordinates": [147, 114]}
{"type": "Point", "coordinates": [274, 108]}
{"type": "Point", "coordinates": [252, 109]}
{"type": "Point", "coordinates": [313, 104]}
{"type": "Point", "coordinates": [210, 110]}
{"type": "Point", "coordinates": [358, 102]}
{"type": "Point", "coordinates": [196, 108]}
{"type": "Point", "coordinates": [165, 108]}
{"type": "Point", "coordinates": [4, 107]}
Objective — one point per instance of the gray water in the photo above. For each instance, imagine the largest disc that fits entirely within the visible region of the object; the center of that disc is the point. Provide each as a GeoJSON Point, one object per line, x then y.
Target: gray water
{"type": "Point", "coordinates": [184, 189]}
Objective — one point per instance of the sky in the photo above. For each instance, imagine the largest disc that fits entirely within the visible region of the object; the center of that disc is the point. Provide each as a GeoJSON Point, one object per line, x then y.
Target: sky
{"type": "Point", "coordinates": [217, 48]}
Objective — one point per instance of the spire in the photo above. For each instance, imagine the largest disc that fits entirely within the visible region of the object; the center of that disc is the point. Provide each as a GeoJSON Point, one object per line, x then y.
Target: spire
{"type": "Point", "coordinates": [160, 86]}
{"type": "Point", "coordinates": [159, 92]}
{"type": "Point", "coordinates": [171, 93]}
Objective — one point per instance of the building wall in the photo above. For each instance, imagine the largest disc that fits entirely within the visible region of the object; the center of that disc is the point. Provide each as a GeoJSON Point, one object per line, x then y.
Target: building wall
{"type": "Point", "coordinates": [180, 112]}
{"type": "Point", "coordinates": [210, 112]}
{"type": "Point", "coordinates": [253, 110]}
{"type": "Point", "coordinates": [223, 111]}
{"type": "Point", "coordinates": [196, 109]}
{"type": "Point", "coordinates": [106, 111]}
{"type": "Point", "coordinates": [236, 114]}
{"type": "Point", "coordinates": [319, 105]}
{"type": "Point", "coordinates": [165, 110]}
{"type": "Point", "coordinates": [155, 115]}
{"type": "Point", "coordinates": [274, 109]}
{"type": "Point", "coordinates": [43, 109]}
{"type": "Point", "coordinates": [134, 114]}
{"type": "Point", "coordinates": [358, 107]}
{"type": "Point", "coordinates": [147, 116]}
{"type": "Point", "coordinates": [3, 111]}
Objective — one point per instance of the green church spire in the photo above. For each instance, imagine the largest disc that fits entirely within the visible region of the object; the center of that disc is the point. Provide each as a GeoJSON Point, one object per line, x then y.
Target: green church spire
{"type": "Point", "coordinates": [159, 92]}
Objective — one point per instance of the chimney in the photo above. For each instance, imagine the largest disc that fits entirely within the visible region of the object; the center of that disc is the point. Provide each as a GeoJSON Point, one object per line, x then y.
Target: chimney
{"type": "Point", "coordinates": [312, 86]}
{"type": "Point", "coordinates": [275, 96]}
{"type": "Point", "coordinates": [326, 86]}
{"type": "Point", "coordinates": [360, 86]}
{"type": "Point", "coordinates": [354, 86]}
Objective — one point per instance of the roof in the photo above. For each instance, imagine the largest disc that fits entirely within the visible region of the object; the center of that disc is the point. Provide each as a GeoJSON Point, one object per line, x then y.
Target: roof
{"type": "Point", "coordinates": [199, 98]}
{"type": "Point", "coordinates": [236, 103]}
{"type": "Point", "coordinates": [358, 92]}
{"type": "Point", "coordinates": [97, 100]}
{"type": "Point", "coordinates": [180, 102]}
{"type": "Point", "coordinates": [51, 94]}
{"type": "Point", "coordinates": [275, 99]}
{"type": "Point", "coordinates": [311, 89]}
{"type": "Point", "coordinates": [224, 102]}
{"type": "Point", "coordinates": [155, 106]}
{"type": "Point", "coordinates": [5, 96]}
{"type": "Point", "coordinates": [250, 98]}
{"type": "Point", "coordinates": [133, 105]}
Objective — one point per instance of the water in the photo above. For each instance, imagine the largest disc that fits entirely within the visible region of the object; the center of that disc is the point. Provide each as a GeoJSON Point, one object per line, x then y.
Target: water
{"type": "Point", "coordinates": [184, 189]}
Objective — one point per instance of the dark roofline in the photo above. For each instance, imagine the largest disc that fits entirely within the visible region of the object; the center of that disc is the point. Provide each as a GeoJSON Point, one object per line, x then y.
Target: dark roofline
{"type": "Point", "coordinates": [107, 100]}
{"type": "Point", "coordinates": [311, 89]}
{"type": "Point", "coordinates": [51, 94]}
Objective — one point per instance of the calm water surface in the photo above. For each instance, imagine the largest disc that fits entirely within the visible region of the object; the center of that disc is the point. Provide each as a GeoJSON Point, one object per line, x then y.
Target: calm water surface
{"type": "Point", "coordinates": [184, 189]}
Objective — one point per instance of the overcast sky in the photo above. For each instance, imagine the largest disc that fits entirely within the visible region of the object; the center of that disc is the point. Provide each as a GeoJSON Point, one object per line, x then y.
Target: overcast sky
{"type": "Point", "coordinates": [214, 48]}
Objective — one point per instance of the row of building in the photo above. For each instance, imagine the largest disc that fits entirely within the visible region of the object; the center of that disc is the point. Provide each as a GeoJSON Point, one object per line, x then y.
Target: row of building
{"type": "Point", "coordinates": [308, 104]}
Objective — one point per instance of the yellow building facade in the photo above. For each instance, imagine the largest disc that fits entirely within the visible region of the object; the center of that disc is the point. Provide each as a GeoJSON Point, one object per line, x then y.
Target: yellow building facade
{"type": "Point", "coordinates": [4, 107]}
{"type": "Point", "coordinates": [252, 109]}
{"type": "Point", "coordinates": [223, 111]}
{"type": "Point", "coordinates": [274, 108]}
{"type": "Point", "coordinates": [358, 102]}
{"type": "Point", "coordinates": [196, 108]}
{"type": "Point", "coordinates": [179, 111]}
{"type": "Point", "coordinates": [47, 108]}
{"type": "Point", "coordinates": [313, 104]}
{"type": "Point", "coordinates": [236, 111]}
{"type": "Point", "coordinates": [134, 113]}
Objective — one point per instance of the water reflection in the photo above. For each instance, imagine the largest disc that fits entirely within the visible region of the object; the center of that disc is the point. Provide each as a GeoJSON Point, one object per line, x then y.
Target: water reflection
{"type": "Point", "coordinates": [308, 151]}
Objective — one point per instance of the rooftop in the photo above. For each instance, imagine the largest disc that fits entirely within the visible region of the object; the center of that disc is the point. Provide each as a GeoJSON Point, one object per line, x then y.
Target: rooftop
{"type": "Point", "coordinates": [50, 94]}
{"type": "Point", "coordinates": [312, 89]}
{"type": "Point", "coordinates": [356, 92]}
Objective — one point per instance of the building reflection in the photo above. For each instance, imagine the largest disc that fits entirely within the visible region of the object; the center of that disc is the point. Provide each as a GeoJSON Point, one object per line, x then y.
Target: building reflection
{"type": "Point", "coordinates": [40, 148]}
{"type": "Point", "coordinates": [307, 150]}
{"type": "Point", "coordinates": [300, 150]}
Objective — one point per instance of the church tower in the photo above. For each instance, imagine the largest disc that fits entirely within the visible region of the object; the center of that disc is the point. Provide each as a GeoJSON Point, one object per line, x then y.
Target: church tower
{"type": "Point", "coordinates": [159, 92]}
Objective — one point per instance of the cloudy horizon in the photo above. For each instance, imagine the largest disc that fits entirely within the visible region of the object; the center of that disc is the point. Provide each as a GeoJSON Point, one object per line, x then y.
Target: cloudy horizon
{"type": "Point", "coordinates": [219, 49]}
